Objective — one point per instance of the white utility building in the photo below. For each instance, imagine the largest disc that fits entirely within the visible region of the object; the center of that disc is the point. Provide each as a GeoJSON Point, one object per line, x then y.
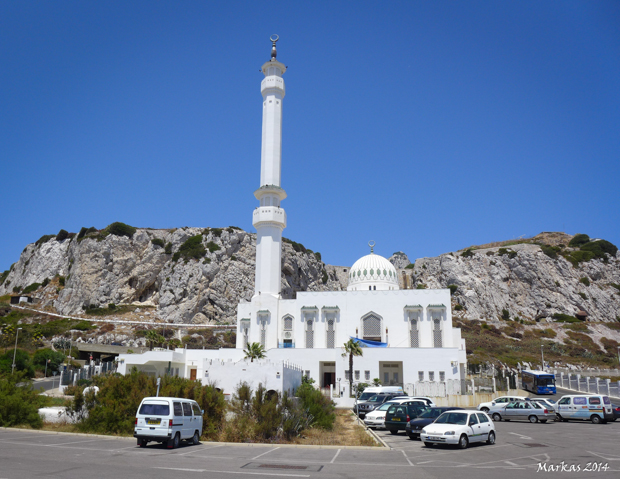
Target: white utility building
{"type": "Point", "coordinates": [407, 335]}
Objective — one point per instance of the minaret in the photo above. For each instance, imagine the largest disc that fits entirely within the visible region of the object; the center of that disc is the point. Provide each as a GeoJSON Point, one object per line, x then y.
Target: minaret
{"type": "Point", "coordinates": [269, 219]}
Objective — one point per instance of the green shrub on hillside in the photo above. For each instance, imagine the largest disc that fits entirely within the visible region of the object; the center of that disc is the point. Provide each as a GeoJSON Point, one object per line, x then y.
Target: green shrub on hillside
{"type": "Point", "coordinates": [4, 275]}
{"type": "Point", "coordinates": [44, 239]}
{"type": "Point", "coordinates": [213, 247]}
{"type": "Point", "coordinates": [453, 288]}
{"type": "Point", "coordinates": [31, 288]}
{"type": "Point", "coordinates": [158, 242]}
{"type": "Point", "coordinates": [86, 231]}
{"type": "Point", "coordinates": [320, 407]}
{"type": "Point", "coordinates": [192, 248]}
{"type": "Point", "coordinates": [467, 253]}
{"type": "Point", "coordinates": [19, 402]}
{"type": "Point", "coordinates": [599, 248]}
{"type": "Point", "coordinates": [565, 318]}
{"type": "Point", "coordinates": [578, 240]}
{"type": "Point", "coordinates": [168, 248]}
{"type": "Point", "coordinates": [121, 229]}
{"type": "Point", "coordinates": [410, 266]}
{"type": "Point", "coordinates": [298, 247]}
{"type": "Point", "coordinates": [551, 251]}
{"type": "Point", "coordinates": [585, 280]}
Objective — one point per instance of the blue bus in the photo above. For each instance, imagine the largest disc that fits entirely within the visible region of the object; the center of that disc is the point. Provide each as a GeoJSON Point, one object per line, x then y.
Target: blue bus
{"type": "Point", "coordinates": [538, 382]}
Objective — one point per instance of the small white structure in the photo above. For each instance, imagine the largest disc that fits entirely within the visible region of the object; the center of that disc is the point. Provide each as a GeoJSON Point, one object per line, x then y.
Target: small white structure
{"type": "Point", "coordinates": [407, 334]}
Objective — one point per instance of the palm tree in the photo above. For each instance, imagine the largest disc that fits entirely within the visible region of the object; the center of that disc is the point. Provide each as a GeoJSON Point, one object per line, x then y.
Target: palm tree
{"type": "Point", "coordinates": [154, 337]}
{"type": "Point", "coordinates": [254, 351]}
{"type": "Point", "coordinates": [351, 348]}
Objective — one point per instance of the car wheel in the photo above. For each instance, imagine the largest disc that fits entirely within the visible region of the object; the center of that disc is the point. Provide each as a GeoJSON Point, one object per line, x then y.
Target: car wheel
{"type": "Point", "coordinates": [496, 417]}
{"type": "Point", "coordinates": [595, 419]}
{"type": "Point", "coordinates": [393, 431]}
{"type": "Point", "coordinates": [174, 442]}
{"type": "Point", "coordinates": [485, 409]}
{"type": "Point", "coordinates": [142, 442]}
{"type": "Point", "coordinates": [491, 439]}
{"type": "Point", "coordinates": [463, 442]}
{"type": "Point", "coordinates": [411, 436]}
{"type": "Point", "coordinates": [533, 419]}
{"type": "Point", "coordinates": [196, 439]}
{"type": "Point", "coordinates": [428, 444]}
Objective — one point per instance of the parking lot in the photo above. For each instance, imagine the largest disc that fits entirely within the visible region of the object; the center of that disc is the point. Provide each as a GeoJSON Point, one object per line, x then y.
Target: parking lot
{"type": "Point", "coordinates": [521, 448]}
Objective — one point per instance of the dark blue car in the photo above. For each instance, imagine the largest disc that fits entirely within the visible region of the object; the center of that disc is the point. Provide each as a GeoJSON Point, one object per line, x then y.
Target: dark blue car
{"type": "Point", "coordinates": [416, 425]}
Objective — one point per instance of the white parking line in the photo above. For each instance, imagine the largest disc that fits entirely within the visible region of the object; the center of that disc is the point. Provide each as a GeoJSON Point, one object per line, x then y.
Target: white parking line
{"type": "Point", "coordinates": [606, 457]}
{"type": "Point", "coordinates": [521, 435]}
{"type": "Point", "coordinates": [260, 455]}
{"type": "Point", "coordinates": [73, 442]}
{"type": "Point", "coordinates": [231, 472]}
{"type": "Point", "coordinates": [410, 463]}
{"type": "Point", "coordinates": [334, 458]}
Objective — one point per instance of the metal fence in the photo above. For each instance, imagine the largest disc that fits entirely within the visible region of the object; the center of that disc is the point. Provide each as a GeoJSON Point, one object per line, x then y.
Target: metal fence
{"type": "Point", "coordinates": [587, 384]}
{"type": "Point", "coordinates": [70, 377]}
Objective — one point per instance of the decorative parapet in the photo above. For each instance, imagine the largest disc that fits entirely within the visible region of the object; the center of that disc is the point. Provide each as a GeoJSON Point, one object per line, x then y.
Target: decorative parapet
{"type": "Point", "coordinates": [330, 309]}
{"type": "Point", "coordinates": [413, 307]}
{"type": "Point", "coordinates": [436, 306]}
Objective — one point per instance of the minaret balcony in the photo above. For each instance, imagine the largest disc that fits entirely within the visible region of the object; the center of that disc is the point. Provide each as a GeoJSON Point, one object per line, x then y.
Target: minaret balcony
{"type": "Point", "coordinates": [269, 215]}
{"type": "Point", "coordinates": [272, 83]}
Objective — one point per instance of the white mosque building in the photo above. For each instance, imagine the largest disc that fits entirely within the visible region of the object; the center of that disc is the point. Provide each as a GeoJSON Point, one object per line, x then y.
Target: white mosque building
{"type": "Point", "coordinates": [407, 335]}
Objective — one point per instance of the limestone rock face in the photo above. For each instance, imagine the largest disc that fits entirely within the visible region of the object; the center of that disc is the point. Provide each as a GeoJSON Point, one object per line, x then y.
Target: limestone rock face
{"type": "Point", "coordinates": [100, 270]}
{"type": "Point", "coordinates": [528, 284]}
{"type": "Point", "coordinates": [122, 270]}
{"type": "Point", "coordinates": [400, 260]}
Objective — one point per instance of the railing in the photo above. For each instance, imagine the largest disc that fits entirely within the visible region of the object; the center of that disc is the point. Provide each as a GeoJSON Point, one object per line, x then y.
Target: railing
{"type": "Point", "coordinates": [587, 384]}
{"type": "Point", "coordinates": [72, 376]}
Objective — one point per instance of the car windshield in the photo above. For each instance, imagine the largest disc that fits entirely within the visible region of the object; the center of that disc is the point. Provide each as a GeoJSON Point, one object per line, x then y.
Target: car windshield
{"type": "Point", "coordinates": [384, 406]}
{"type": "Point", "coordinates": [431, 413]}
{"type": "Point", "coordinates": [457, 418]}
{"type": "Point", "coordinates": [375, 398]}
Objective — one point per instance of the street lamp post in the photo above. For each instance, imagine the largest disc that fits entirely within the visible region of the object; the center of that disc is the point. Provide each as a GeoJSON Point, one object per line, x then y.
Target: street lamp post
{"type": "Point", "coordinates": [542, 356]}
{"type": "Point", "coordinates": [46, 363]}
{"type": "Point", "coordinates": [15, 350]}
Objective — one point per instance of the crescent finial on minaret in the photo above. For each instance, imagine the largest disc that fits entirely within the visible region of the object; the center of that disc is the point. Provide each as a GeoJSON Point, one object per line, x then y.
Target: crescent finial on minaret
{"type": "Point", "coordinates": [372, 246]}
{"type": "Point", "coordinates": [274, 53]}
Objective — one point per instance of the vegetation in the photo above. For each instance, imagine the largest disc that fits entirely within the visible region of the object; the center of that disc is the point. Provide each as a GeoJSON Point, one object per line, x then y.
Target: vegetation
{"type": "Point", "coordinates": [578, 240]}
{"type": "Point", "coordinates": [31, 288]}
{"type": "Point", "coordinates": [458, 307]}
{"type": "Point", "coordinates": [121, 229]}
{"type": "Point", "coordinates": [213, 247]}
{"type": "Point", "coordinates": [113, 409]}
{"type": "Point", "coordinates": [467, 253]}
{"type": "Point", "coordinates": [324, 277]}
{"type": "Point", "coordinates": [19, 402]}
{"type": "Point", "coordinates": [565, 318]}
{"type": "Point", "coordinates": [410, 266]}
{"type": "Point", "coordinates": [86, 231]}
{"type": "Point", "coordinates": [585, 280]}
{"type": "Point", "coordinates": [351, 348]}
{"type": "Point", "coordinates": [44, 239]}
{"type": "Point", "coordinates": [504, 251]}
{"type": "Point", "coordinates": [588, 250]}
{"type": "Point", "coordinates": [505, 315]}
{"type": "Point", "coordinates": [61, 280]}
{"type": "Point", "coordinates": [453, 288]}
{"type": "Point", "coordinates": [254, 351]}
{"type": "Point", "coordinates": [551, 251]}
{"type": "Point", "coordinates": [298, 247]}
{"type": "Point", "coordinates": [158, 242]}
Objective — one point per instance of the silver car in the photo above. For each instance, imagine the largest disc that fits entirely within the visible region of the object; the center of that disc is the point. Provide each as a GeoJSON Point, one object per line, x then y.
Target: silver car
{"type": "Point", "coordinates": [522, 410]}
{"type": "Point", "coordinates": [545, 403]}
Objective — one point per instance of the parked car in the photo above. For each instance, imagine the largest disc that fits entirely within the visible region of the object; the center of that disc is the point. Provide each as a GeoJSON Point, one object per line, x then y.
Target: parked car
{"type": "Point", "coordinates": [168, 420]}
{"type": "Point", "coordinates": [373, 402]}
{"type": "Point", "coordinates": [586, 407]}
{"type": "Point", "coordinates": [545, 402]}
{"type": "Point", "coordinates": [376, 417]}
{"type": "Point", "coordinates": [398, 415]}
{"type": "Point", "coordinates": [459, 428]}
{"type": "Point", "coordinates": [616, 410]}
{"type": "Point", "coordinates": [486, 406]}
{"type": "Point", "coordinates": [372, 390]}
{"type": "Point", "coordinates": [415, 425]}
{"type": "Point", "coordinates": [522, 410]}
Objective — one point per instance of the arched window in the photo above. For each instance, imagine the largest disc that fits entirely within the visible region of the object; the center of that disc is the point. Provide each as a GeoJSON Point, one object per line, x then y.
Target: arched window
{"type": "Point", "coordinates": [437, 342]}
{"type": "Point", "coordinates": [288, 323]}
{"type": "Point", "coordinates": [331, 334]}
{"type": "Point", "coordinates": [310, 334]}
{"type": "Point", "coordinates": [414, 333]}
{"type": "Point", "coordinates": [245, 332]}
{"type": "Point", "coordinates": [371, 327]}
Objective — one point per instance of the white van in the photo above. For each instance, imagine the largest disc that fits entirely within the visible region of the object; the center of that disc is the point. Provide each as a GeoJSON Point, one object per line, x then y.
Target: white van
{"type": "Point", "coordinates": [587, 407]}
{"type": "Point", "coordinates": [372, 390]}
{"type": "Point", "coordinates": [168, 421]}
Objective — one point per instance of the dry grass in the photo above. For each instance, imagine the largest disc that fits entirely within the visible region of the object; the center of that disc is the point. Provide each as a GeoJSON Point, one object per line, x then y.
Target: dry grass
{"type": "Point", "coordinates": [346, 432]}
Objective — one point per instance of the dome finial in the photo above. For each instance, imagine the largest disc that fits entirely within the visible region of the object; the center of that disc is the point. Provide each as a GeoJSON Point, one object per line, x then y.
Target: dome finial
{"type": "Point", "coordinates": [274, 53]}
{"type": "Point", "coordinates": [372, 245]}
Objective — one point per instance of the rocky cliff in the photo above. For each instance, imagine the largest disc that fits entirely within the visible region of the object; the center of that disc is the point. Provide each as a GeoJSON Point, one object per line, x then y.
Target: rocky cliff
{"type": "Point", "coordinates": [199, 275]}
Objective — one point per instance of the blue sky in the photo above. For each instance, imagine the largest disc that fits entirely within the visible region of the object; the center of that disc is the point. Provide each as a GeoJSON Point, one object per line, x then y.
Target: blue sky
{"type": "Point", "coordinates": [424, 126]}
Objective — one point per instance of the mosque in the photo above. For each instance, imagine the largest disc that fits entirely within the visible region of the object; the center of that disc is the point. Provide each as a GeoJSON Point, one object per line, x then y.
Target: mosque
{"type": "Point", "coordinates": [407, 335]}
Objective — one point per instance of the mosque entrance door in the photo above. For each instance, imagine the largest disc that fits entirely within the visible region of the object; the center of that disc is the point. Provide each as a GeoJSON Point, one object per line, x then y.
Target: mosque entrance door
{"type": "Point", "coordinates": [327, 373]}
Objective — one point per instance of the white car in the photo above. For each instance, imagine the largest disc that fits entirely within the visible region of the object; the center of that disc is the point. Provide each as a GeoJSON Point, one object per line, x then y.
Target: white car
{"type": "Point", "coordinates": [459, 428]}
{"type": "Point", "coordinates": [376, 418]}
{"type": "Point", "coordinates": [502, 400]}
{"type": "Point", "coordinates": [546, 403]}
